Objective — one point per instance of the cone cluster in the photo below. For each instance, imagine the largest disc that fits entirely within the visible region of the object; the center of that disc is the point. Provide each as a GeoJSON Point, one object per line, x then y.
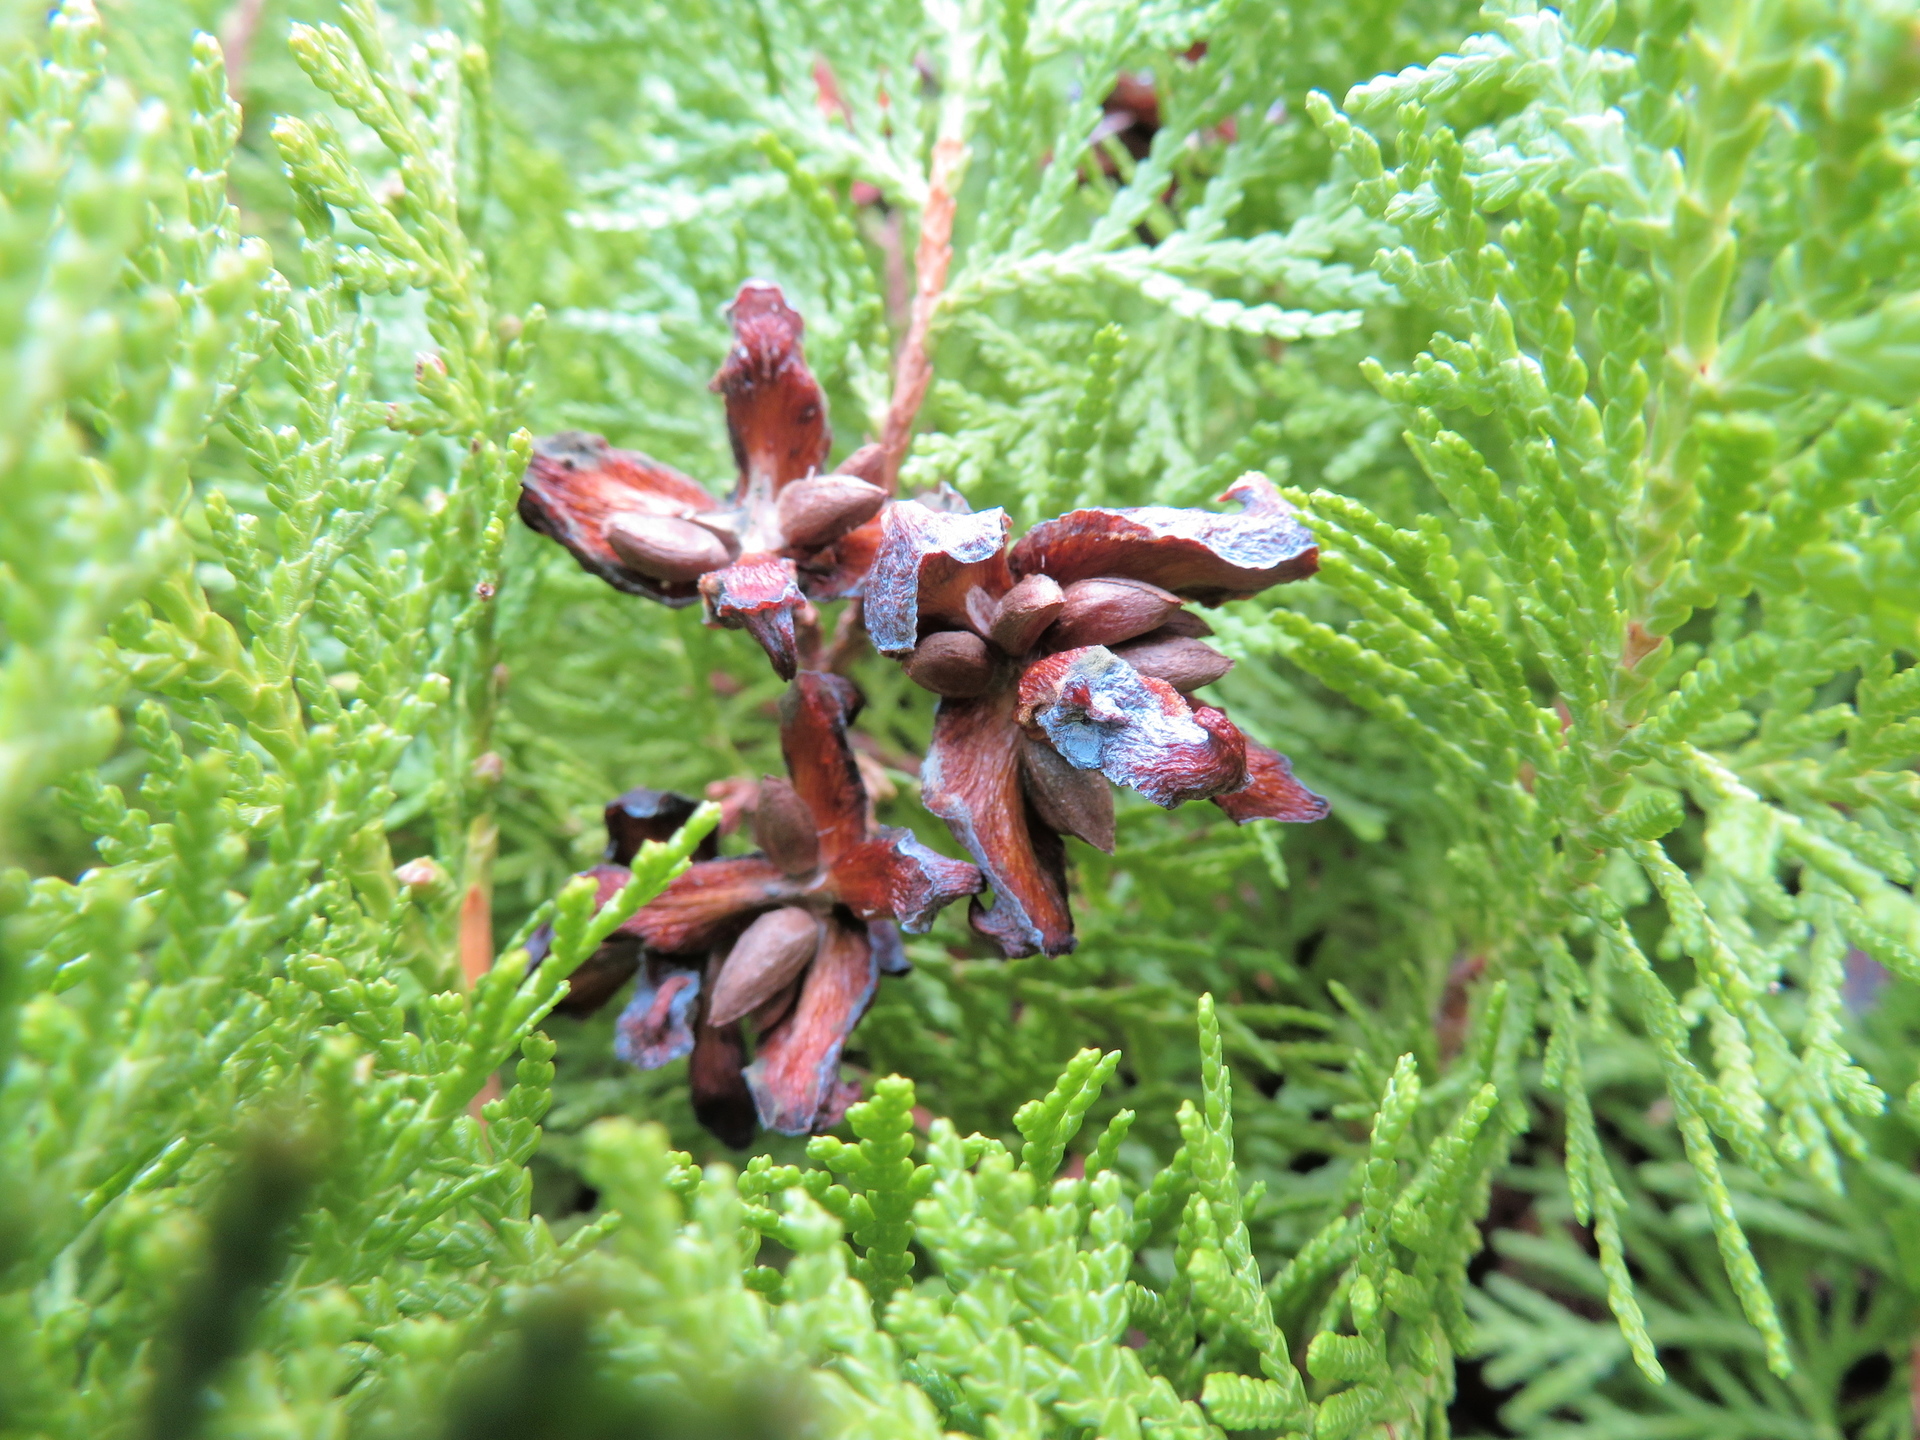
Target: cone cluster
{"type": "Point", "coordinates": [1063, 664]}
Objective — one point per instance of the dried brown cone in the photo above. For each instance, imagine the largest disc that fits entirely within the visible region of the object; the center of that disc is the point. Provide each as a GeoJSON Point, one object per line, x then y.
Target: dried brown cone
{"type": "Point", "coordinates": [633, 819]}
{"type": "Point", "coordinates": [1070, 661]}
{"type": "Point", "coordinates": [786, 535]}
{"type": "Point", "coordinates": [781, 949]}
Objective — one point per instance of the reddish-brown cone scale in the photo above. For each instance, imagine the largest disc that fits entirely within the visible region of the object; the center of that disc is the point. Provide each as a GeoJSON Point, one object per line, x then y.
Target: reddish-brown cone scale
{"type": "Point", "coordinates": [784, 946]}
{"type": "Point", "coordinates": [1071, 657]}
{"type": "Point", "coordinates": [787, 534]}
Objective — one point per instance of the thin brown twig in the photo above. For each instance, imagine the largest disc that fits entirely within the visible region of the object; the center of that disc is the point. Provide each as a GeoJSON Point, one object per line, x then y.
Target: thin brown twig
{"type": "Point", "coordinates": [237, 34]}
{"type": "Point", "coordinates": [913, 372]}
{"type": "Point", "coordinates": [476, 930]}
{"type": "Point", "coordinates": [476, 934]}
{"type": "Point", "coordinates": [849, 639]}
{"type": "Point", "coordinates": [806, 636]}
{"type": "Point", "coordinates": [898, 288]}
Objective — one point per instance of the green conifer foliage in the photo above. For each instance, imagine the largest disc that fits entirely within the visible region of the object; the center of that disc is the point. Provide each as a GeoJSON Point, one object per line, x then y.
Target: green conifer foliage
{"type": "Point", "coordinates": [1562, 1083]}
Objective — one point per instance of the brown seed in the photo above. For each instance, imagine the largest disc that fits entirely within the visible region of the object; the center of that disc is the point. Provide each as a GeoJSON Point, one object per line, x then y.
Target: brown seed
{"type": "Point", "coordinates": [665, 547]}
{"type": "Point", "coordinates": [724, 525]}
{"type": "Point", "coordinates": [1026, 610]}
{"type": "Point", "coordinates": [954, 663]}
{"type": "Point", "coordinates": [1184, 663]}
{"type": "Point", "coordinates": [785, 828]}
{"type": "Point", "coordinates": [813, 512]}
{"type": "Point", "coordinates": [736, 796]}
{"type": "Point", "coordinates": [981, 608]}
{"type": "Point", "coordinates": [771, 1011]}
{"type": "Point", "coordinates": [771, 951]}
{"type": "Point", "coordinates": [1185, 622]}
{"type": "Point", "coordinates": [1073, 801]}
{"type": "Point", "coordinates": [1105, 612]}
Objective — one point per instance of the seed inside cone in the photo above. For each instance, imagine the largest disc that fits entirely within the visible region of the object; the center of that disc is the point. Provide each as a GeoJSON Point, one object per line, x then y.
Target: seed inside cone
{"type": "Point", "coordinates": [1024, 611]}
{"type": "Point", "coordinates": [665, 547]}
{"type": "Point", "coordinates": [785, 829]}
{"type": "Point", "coordinates": [954, 663]}
{"type": "Point", "coordinates": [1105, 612]}
{"type": "Point", "coordinates": [814, 512]}
{"type": "Point", "coordinates": [771, 1011]}
{"type": "Point", "coordinates": [1185, 622]}
{"type": "Point", "coordinates": [1071, 800]}
{"type": "Point", "coordinates": [765, 958]}
{"type": "Point", "coordinates": [1184, 663]}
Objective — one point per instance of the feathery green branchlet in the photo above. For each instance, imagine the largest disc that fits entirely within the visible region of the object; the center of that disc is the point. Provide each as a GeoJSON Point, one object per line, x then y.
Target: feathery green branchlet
{"type": "Point", "coordinates": [1577, 1047]}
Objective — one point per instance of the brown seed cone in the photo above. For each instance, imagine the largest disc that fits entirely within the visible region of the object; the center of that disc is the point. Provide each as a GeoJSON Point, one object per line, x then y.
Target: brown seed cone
{"type": "Point", "coordinates": [666, 547]}
{"type": "Point", "coordinates": [765, 959]}
{"type": "Point", "coordinates": [1106, 611]}
{"type": "Point", "coordinates": [1071, 800]}
{"type": "Point", "coordinates": [1184, 663]}
{"type": "Point", "coordinates": [785, 828]}
{"type": "Point", "coordinates": [817, 511]}
{"type": "Point", "coordinates": [954, 663]}
{"type": "Point", "coordinates": [1024, 612]}
{"type": "Point", "coordinates": [600, 976]}
{"type": "Point", "coordinates": [641, 815]}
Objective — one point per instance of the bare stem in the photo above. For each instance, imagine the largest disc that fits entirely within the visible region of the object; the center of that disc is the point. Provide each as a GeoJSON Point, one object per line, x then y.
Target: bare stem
{"type": "Point", "coordinates": [849, 639]}
{"type": "Point", "coordinates": [476, 905]}
{"type": "Point", "coordinates": [913, 371]}
{"type": "Point", "coordinates": [237, 33]}
{"type": "Point", "coordinates": [806, 636]}
{"type": "Point", "coordinates": [476, 930]}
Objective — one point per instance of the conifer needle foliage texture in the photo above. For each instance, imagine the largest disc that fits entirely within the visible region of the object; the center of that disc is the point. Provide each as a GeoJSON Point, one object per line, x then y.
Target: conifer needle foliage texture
{"type": "Point", "coordinates": [1561, 1083]}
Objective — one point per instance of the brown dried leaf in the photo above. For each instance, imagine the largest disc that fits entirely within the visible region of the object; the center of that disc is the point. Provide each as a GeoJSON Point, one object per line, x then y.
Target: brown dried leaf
{"type": "Point", "coordinates": [721, 1100]}
{"type": "Point", "coordinates": [693, 911]}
